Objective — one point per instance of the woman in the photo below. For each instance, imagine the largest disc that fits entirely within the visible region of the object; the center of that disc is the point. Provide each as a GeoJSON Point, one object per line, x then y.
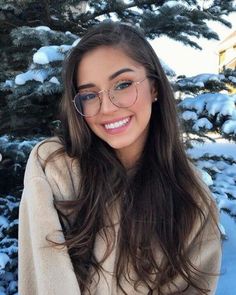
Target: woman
{"type": "Point", "coordinates": [113, 206]}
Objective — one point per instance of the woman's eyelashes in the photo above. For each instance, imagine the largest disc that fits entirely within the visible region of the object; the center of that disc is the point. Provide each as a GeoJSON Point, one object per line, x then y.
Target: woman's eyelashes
{"type": "Point", "coordinates": [92, 93]}
{"type": "Point", "coordinates": [88, 96]}
{"type": "Point", "coordinates": [123, 85]}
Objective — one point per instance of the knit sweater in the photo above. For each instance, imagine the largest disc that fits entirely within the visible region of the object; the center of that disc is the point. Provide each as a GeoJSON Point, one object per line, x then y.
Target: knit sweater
{"type": "Point", "coordinates": [46, 270]}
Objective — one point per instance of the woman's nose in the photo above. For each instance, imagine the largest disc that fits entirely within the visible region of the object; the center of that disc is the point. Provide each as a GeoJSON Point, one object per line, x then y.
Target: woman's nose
{"type": "Point", "coordinates": [106, 105]}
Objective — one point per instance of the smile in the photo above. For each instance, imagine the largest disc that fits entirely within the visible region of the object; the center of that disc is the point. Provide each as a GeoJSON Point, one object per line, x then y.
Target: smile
{"type": "Point", "coordinates": [117, 124]}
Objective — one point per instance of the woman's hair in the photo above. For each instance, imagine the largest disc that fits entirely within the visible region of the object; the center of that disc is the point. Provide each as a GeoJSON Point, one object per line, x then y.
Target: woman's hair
{"type": "Point", "coordinates": [159, 204]}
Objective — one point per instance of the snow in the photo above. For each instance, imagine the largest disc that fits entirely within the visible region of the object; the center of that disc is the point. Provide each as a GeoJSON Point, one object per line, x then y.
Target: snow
{"type": "Point", "coordinates": [225, 178]}
{"type": "Point", "coordinates": [233, 79]}
{"type": "Point", "coordinates": [223, 232]}
{"type": "Point", "coordinates": [222, 147]}
{"type": "Point", "coordinates": [171, 4]}
{"type": "Point", "coordinates": [212, 102]}
{"type": "Point", "coordinates": [4, 259]}
{"type": "Point", "coordinates": [54, 80]}
{"type": "Point", "coordinates": [189, 115]}
{"type": "Point", "coordinates": [199, 84]}
{"type": "Point", "coordinates": [3, 221]}
{"type": "Point", "coordinates": [75, 43]}
{"type": "Point", "coordinates": [200, 80]}
{"type": "Point", "coordinates": [219, 103]}
{"type": "Point", "coordinates": [43, 56]}
{"type": "Point", "coordinates": [193, 103]}
{"type": "Point", "coordinates": [202, 123]}
{"type": "Point", "coordinates": [229, 126]}
{"type": "Point", "coordinates": [168, 70]}
{"type": "Point", "coordinates": [17, 147]}
{"type": "Point", "coordinates": [37, 75]}
{"type": "Point", "coordinates": [9, 83]}
{"type": "Point", "coordinates": [223, 183]}
{"type": "Point", "coordinates": [47, 54]}
{"type": "Point", "coordinates": [206, 178]}
{"type": "Point", "coordinates": [42, 28]}
{"type": "Point", "coordinates": [229, 205]}
{"type": "Point", "coordinates": [227, 281]}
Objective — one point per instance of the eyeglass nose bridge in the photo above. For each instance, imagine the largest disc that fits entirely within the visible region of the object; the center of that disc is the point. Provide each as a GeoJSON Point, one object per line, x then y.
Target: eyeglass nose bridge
{"type": "Point", "coordinates": [100, 95]}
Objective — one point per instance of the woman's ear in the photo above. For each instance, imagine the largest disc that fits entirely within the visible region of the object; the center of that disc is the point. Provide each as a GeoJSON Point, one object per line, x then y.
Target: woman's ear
{"type": "Point", "coordinates": [154, 92]}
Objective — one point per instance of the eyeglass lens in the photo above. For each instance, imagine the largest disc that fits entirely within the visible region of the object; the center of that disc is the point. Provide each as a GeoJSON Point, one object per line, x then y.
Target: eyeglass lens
{"type": "Point", "coordinates": [122, 95]}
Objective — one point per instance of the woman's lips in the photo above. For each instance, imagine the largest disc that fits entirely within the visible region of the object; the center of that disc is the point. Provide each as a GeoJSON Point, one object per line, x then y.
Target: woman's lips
{"type": "Point", "coordinates": [117, 126]}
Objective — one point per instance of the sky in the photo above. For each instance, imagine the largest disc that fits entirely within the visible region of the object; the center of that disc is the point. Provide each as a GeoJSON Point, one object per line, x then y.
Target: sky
{"type": "Point", "coordinates": [185, 60]}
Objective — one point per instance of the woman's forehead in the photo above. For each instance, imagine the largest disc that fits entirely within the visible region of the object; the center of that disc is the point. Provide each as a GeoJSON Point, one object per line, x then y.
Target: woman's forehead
{"type": "Point", "coordinates": [104, 62]}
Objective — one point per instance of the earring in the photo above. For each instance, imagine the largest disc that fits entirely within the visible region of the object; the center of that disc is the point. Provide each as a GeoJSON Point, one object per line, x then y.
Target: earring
{"type": "Point", "coordinates": [155, 99]}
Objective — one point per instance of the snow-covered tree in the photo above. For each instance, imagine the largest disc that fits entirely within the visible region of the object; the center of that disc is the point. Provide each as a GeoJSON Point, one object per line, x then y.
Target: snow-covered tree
{"type": "Point", "coordinates": [207, 105]}
{"type": "Point", "coordinates": [184, 21]}
{"type": "Point", "coordinates": [8, 244]}
{"type": "Point", "coordinates": [177, 19]}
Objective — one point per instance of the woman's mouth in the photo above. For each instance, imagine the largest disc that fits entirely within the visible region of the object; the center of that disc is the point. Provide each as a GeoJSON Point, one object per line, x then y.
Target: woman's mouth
{"type": "Point", "coordinates": [117, 126]}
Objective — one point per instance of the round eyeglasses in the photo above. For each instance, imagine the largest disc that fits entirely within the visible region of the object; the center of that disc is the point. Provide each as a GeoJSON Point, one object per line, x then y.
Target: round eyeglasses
{"type": "Point", "coordinates": [123, 95]}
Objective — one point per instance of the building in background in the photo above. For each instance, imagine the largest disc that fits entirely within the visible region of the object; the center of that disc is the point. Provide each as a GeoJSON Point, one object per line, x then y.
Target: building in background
{"type": "Point", "coordinates": [227, 53]}
{"type": "Point", "coordinates": [227, 57]}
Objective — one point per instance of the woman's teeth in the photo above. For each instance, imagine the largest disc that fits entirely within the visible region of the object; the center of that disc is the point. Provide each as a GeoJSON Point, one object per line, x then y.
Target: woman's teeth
{"type": "Point", "coordinates": [117, 124]}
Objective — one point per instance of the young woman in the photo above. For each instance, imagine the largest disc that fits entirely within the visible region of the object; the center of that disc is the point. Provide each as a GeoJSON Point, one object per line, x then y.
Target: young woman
{"type": "Point", "coordinates": [113, 205]}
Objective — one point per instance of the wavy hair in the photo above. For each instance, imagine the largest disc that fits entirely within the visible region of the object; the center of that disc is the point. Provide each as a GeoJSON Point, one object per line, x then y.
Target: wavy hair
{"type": "Point", "coordinates": [160, 202]}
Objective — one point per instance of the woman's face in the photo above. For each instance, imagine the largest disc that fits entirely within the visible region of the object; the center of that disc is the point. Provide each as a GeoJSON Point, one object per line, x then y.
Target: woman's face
{"type": "Point", "coordinates": [124, 129]}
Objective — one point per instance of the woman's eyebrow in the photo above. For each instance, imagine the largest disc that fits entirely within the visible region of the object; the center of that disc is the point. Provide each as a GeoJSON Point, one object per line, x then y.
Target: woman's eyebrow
{"type": "Point", "coordinates": [121, 71]}
{"type": "Point", "coordinates": [85, 86]}
{"type": "Point", "coordinates": [113, 76]}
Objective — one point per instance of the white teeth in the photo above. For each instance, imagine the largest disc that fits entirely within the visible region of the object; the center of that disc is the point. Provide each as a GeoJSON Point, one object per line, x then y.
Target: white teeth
{"type": "Point", "coordinates": [117, 124]}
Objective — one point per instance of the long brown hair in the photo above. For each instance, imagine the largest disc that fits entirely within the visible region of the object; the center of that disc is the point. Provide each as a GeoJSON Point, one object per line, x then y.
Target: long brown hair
{"type": "Point", "coordinates": [160, 202]}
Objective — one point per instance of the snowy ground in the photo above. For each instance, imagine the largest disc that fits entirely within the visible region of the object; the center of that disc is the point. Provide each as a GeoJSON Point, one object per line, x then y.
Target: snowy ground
{"type": "Point", "coordinates": [227, 281]}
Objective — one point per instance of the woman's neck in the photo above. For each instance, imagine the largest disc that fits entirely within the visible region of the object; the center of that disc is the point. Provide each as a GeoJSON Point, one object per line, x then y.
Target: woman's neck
{"type": "Point", "coordinates": [128, 157]}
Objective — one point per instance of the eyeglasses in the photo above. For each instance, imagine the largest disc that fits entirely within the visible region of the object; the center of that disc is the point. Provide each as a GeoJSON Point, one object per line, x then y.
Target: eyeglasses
{"type": "Point", "coordinates": [123, 95]}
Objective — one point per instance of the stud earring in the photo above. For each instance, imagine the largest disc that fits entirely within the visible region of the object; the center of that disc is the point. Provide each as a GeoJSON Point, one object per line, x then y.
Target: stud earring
{"type": "Point", "coordinates": [155, 99]}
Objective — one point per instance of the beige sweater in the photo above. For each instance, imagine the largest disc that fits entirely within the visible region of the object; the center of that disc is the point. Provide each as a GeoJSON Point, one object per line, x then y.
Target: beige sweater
{"type": "Point", "coordinates": [49, 271]}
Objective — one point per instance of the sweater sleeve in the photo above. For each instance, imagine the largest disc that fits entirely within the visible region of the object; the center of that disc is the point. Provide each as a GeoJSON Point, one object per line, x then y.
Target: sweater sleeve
{"type": "Point", "coordinates": [43, 269]}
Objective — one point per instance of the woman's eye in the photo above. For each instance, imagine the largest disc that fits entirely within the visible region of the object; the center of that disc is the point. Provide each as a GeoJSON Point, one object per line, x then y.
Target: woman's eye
{"type": "Point", "coordinates": [87, 96]}
{"type": "Point", "coordinates": [123, 85]}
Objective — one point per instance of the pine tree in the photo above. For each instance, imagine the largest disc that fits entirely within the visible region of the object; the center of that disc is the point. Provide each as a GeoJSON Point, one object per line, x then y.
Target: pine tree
{"type": "Point", "coordinates": [180, 20]}
{"type": "Point", "coordinates": [8, 244]}
{"type": "Point", "coordinates": [207, 107]}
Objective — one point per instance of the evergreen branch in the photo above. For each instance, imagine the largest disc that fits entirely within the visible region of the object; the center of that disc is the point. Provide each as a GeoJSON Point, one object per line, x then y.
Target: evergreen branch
{"type": "Point", "coordinates": [47, 11]}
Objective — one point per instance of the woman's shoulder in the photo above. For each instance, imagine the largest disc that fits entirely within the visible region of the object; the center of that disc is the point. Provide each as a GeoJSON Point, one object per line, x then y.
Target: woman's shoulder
{"type": "Point", "coordinates": [48, 159]}
{"type": "Point", "coordinates": [38, 156]}
{"type": "Point", "coordinates": [43, 149]}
